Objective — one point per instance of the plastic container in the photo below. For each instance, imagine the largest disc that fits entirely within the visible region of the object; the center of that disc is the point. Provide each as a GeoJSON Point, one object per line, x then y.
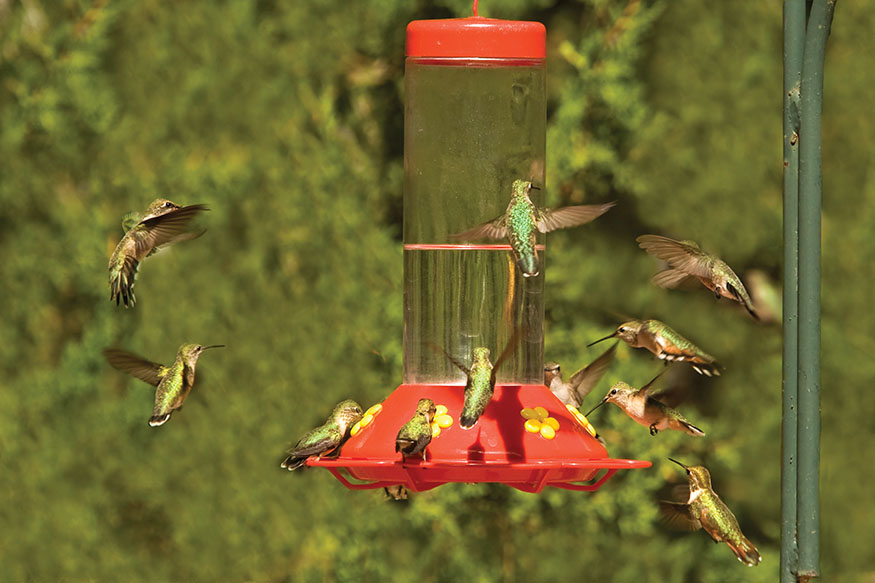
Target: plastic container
{"type": "Point", "coordinates": [475, 121]}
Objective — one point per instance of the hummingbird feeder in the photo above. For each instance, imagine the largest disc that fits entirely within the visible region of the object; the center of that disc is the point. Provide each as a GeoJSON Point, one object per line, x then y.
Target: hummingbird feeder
{"type": "Point", "coordinates": [475, 121]}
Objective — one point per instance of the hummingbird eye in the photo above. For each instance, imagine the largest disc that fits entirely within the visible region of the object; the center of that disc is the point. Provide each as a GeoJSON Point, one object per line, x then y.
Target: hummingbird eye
{"type": "Point", "coordinates": [614, 392]}
{"type": "Point", "coordinates": [168, 204]}
{"type": "Point", "coordinates": [622, 329]}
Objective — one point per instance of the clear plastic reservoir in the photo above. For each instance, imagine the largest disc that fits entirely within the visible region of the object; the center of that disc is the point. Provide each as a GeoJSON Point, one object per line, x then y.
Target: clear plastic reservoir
{"type": "Point", "coordinates": [472, 127]}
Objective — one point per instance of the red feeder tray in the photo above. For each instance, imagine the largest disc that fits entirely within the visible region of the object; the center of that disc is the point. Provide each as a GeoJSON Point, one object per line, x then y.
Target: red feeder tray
{"type": "Point", "coordinates": [497, 449]}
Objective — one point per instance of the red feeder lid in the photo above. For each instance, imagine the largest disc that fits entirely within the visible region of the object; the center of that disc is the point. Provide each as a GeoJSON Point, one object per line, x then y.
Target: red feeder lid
{"type": "Point", "coordinates": [476, 37]}
{"type": "Point", "coordinates": [499, 448]}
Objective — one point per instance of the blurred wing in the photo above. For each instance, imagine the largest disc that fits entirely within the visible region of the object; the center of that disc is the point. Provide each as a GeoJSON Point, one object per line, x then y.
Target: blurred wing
{"type": "Point", "coordinates": [130, 220]}
{"type": "Point", "coordinates": [145, 370]}
{"type": "Point", "coordinates": [494, 229]}
{"type": "Point", "coordinates": [458, 364]}
{"type": "Point", "coordinates": [671, 278]}
{"type": "Point", "coordinates": [166, 228]}
{"type": "Point", "coordinates": [678, 515]}
{"type": "Point", "coordinates": [584, 380]}
{"type": "Point", "coordinates": [571, 216]}
{"type": "Point", "coordinates": [647, 390]}
{"type": "Point", "coordinates": [680, 255]}
{"type": "Point", "coordinates": [511, 345]}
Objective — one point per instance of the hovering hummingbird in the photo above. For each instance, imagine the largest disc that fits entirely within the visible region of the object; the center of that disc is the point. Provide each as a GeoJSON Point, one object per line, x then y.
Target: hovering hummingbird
{"type": "Point", "coordinates": [163, 224]}
{"type": "Point", "coordinates": [325, 438]}
{"type": "Point", "coordinates": [705, 509]}
{"type": "Point", "coordinates": [415, 435]}
{"type": "Point", "coordinates": [665, 343]}
{"type": "Point", "coordinates": [582, 382]}
{"type": "Point", "coordinates": [174, 382]}
{"type": "Point", "coordinates": [642, 406]}
{"type": "Point", "coordinates": [396, 492]}
{"type": "Point", "coordinates": [687, 261]}
{"type": "Point", "coordinates": [481, 379]}
{"type": "Point", "coordinates": [522, 219]}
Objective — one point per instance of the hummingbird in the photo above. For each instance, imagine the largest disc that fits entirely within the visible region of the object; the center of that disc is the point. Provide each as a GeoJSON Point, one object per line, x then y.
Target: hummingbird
{"type": "Point", "coordinates": [163, 224]}
{"type": "Point", "coordinates": [705, 509]}
{"type": "Point", "coordinates": [582, 382]}
{"type": "Point", "coordinates": [415, 435]}
{"type": "Point", "coordinates": [641, 406]}
{"type": "Point", "coordinates": [325, 438]}
{"type": "Point", "coordinates": [481, 379]}
{"type": "Point", "coordinates": [173, 382]}
{"type": "Point", "coordinates": [396, 492]}
{"type": "Point", "coordinates": [522, 219]}
{"type": "Point", "coordinates": [661, 340]}
{"type": "Point", "coordinates": [687, 261]}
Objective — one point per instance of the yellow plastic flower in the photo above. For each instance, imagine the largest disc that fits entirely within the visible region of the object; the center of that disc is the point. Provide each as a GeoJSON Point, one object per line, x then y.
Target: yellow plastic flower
{"type": "Point", "coordinates": [538, 421]}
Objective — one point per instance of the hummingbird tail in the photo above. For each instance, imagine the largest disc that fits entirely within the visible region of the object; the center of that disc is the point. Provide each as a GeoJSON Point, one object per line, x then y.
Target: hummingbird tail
{"type": "Point", "coordinates": [691, 429]}
{"type": "Point", "coordinates": [708, 369]}
{"type": "Point", "coordinates": [157, 420]}
{"type": "Point", "coordinates": [121, 284]}
{"type": "Point", "coordinates": [293, 462]}
{"type": "Point", "coordinates": [467, 420]}
{"type": "Point", "coordinates": [746, 552]}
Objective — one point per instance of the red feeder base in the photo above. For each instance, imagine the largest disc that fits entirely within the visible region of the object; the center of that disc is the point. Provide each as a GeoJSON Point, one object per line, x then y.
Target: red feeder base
{"type": "Point", "coordinates": [497, 449]}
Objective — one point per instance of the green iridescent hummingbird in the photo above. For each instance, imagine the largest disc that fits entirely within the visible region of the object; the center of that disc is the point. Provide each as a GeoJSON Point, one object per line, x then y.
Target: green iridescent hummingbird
{"type": "Point", "coordinates": [327, 437]}
{"type": "Point", "coordinates": [643, 407]}
{"type": "Point", "coordinates": [415, 435]}
{"type": "Point", "coordinates": [162, 224]}
{"type": "Point", "coordinates": [687, 261]}
{"type": "Point", "coordinates": [174, 382]}
{"type": "Point", "coordinates": [582, 382]}
{"type": "Point", "coordinates": [523, 219]}
{"type": "Point", "coordinates": [704, 509]}
{"type": "Point", "coordinates": [664, 342]}
{"type": "Point", "coordinates": [480, 383]}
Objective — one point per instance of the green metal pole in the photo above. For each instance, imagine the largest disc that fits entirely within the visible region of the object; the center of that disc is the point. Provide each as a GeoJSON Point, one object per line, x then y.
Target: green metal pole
{"type": "Point", "coordinates": [794, 43]}
{"type": "Point", "coordinates": [810, 191]}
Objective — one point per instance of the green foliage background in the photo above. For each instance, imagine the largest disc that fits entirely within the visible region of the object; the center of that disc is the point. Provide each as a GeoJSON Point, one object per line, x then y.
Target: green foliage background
{"type": "Point", "coordinates": [286, 118]}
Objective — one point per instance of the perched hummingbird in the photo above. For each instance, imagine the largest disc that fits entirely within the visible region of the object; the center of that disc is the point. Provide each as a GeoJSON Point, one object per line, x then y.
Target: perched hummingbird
{"type": "Point", "coordinates": [665, 343]}
{"type": "Point", "coordinates": [163, 224]}
{"type": "Point", "coordinates": [641, 406]}
{"type": "Point", "coordinates": [687, 261]}
{"type": "Point", "coordinates": [481, 380]}
{"type": "Point", "coordinates": [705, 509]}
{"type": "Point", "coordinates": [325, 438]}
{"type": "Point", "coordinates": [174, 382]}
{"type": "Point", "coordinates": [415, 435]}
{"type": "Point", "coordinates": [582, 382]}
{"type": "Point", "coordinates": [522, 218]}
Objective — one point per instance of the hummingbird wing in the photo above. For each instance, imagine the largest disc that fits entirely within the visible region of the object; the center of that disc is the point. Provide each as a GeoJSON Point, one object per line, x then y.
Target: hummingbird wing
{"type": "Point", "coordinates": [143, 369]}
{"type": "Point", "coordinates": [584, 380]}
{"type": "Point", "coordinates": [671, 278]}
{"type": "Point", "coordinates": [678, 515]}
{"type": "Point", "coordinates": [571, 216]}
{"type": "Point", "coordinates": [130, 220]}
{"type": "Point", "coordinates": [683, 255]}
{"type": "Point", "coordinates": [451, 358]}
{"type": "Point", "coordinates": [647, 390]}
{"type": "Point", "coordinates": [316, 442]}
{"type": "Point", "coordinates": [494, 229]}
{"type": "Point", "coordinates": [509, 347]}
{"type": "Point", "coordinates": [166, 228]}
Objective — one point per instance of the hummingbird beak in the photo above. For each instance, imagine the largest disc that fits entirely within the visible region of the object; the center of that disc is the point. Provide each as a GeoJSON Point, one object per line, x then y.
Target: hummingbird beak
{"type": "Point", "coordinates": [213, 346]}
{"type": "Point", "coordinates": [605, 400]}
{"type": "Point", "coordinates": [679, 463]}
{"type": "Point", "coordinates": [608, 337]}
{"type": "Point", "coordinates": [533, 187]}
